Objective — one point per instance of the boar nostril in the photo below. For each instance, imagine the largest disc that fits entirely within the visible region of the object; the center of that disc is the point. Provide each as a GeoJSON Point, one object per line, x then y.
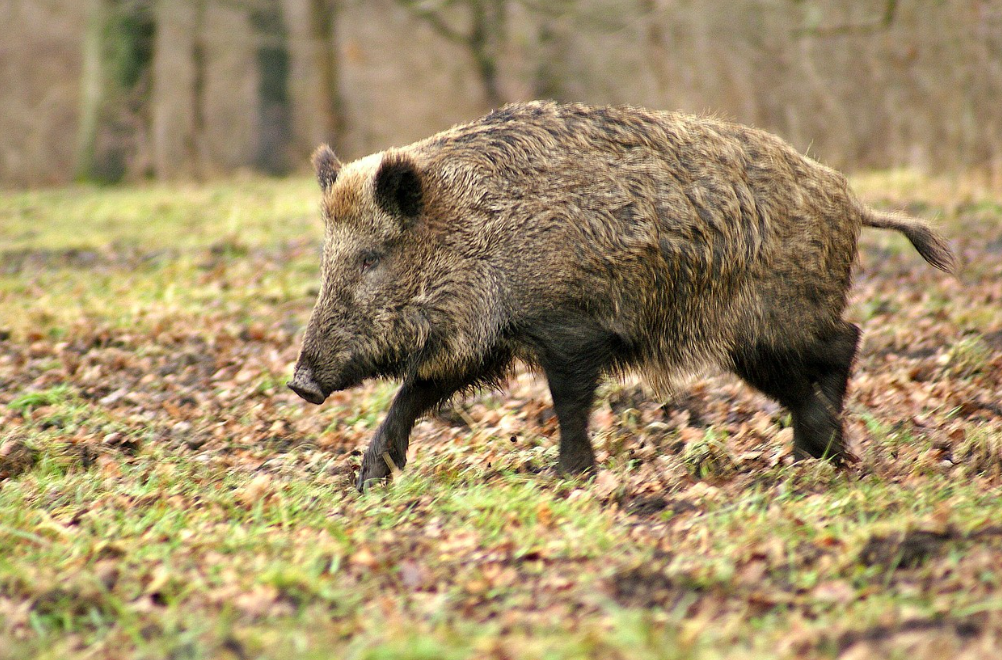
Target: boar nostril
{"type": "Point", "coordinates": [304, 385]}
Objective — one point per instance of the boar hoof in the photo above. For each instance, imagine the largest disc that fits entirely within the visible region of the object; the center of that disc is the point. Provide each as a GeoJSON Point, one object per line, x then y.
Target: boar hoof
{"type": "Point", "coordinates": [372, 472]}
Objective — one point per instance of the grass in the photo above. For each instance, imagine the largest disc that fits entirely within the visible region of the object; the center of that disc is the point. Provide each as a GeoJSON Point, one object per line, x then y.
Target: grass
{"type": "Point", "coordinates": [163, 495]}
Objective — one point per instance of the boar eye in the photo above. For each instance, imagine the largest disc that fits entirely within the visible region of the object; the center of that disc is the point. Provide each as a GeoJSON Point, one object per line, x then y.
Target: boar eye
{"type": "Point", "coordinates": [369, 261]}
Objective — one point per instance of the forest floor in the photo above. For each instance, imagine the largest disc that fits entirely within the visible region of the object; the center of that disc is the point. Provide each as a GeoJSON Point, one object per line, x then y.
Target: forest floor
{"type": "Point", "coordinates": [163, 495]}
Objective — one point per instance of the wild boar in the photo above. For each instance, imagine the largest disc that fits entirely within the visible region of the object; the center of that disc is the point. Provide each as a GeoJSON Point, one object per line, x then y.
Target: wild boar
{"type": "Point", "coordinates": [586, 241]}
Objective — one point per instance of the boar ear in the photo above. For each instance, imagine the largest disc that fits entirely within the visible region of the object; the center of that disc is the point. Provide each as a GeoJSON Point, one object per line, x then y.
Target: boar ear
{"type": "Point", "coordinates": [326, 165]}
{"type": "Point", "coordinates": [398, 186]}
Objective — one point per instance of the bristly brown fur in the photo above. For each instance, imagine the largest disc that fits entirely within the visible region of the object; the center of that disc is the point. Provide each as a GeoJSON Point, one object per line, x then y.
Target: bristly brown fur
{"type": "Point", "coordinates": [588, 241]}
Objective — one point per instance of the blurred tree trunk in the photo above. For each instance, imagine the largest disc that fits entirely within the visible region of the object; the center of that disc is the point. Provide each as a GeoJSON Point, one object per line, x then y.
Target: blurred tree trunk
{"type": "Point", "coordinates": [117, 59]}
{"type": "Point", "coordinates": [274, 112]}
{"type": "Point", "coordinates": [558, 28]}
{"type": "Point", "coordinates": [658, 46]}
{"type": "Point", "coordinates": [180, 142]}
{"type": "Point", "coordinates": [546, 82]}
{"type": "Point", "coordinates": [486, 41]}
{"type": "Point", "coordinates": [93, 85]}
{"type": "Point", "coordinates": [322, 24]}
{"type": "Point", "coordinates": [195, 144]}
{"type": "Point", "coordinates": [484, 37]}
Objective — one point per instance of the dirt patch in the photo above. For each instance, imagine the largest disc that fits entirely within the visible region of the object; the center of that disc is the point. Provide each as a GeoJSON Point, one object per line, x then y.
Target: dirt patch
{"type": "Point", "coordinates": [965, 628]}
{"type": "Point", "coordinates": [16, 458]}
{"type": "Point", "coordinates": [649, 506]}
{"type": "Point", "coordinates": [913, 548]}
{"type": "Point", "coordinates": [628, 398]}
{"type": "Point", "coordinates": [645, 587]}
{"type": "Point", "coordinates": [906, 550]}
{"type": "Point", "coordinates": [13, 262]}
{"type": "Point", "coordinates": [690, 407]}
{"type": "Point", "coordinates": [993, 340]}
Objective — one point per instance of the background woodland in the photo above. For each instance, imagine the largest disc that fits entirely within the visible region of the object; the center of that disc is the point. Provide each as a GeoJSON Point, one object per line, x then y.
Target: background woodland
{"type": "Point", "coordinates": [113, 90]}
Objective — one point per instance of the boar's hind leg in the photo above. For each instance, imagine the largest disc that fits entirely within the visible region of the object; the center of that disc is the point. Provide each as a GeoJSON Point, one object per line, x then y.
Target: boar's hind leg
{"type": "Point", "coordinates": [811, 384]}
{"type": "Point", "coordinates": [415, 398]}
{"type": "Point", "coordinates": [834, 363]}
{"type": "Point", "coordinates": [817, 424]}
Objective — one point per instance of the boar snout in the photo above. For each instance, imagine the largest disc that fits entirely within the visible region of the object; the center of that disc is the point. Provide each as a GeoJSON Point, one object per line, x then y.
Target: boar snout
{"type": "Point", "coordinates": [305, 385]}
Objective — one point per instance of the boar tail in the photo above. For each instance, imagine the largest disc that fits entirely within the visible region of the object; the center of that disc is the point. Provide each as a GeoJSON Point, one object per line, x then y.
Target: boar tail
{"type": "Point", "coordinates": [929, 244]}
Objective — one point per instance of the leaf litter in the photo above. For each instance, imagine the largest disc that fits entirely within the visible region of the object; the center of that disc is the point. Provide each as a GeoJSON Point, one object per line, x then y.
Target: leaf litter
{"type": "Point", "coordinates": [161, 491]}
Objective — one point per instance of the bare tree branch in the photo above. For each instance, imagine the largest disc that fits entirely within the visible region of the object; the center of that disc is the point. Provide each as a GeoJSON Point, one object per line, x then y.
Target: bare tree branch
{"type": "Point", "coordinates": [549, 8]}
{"type": "Point", "coordinates": [877, 25]}
{"type": "Point", "coordinates": [484, 38]}
{"type": "Point", "coordinates": [430, 13]}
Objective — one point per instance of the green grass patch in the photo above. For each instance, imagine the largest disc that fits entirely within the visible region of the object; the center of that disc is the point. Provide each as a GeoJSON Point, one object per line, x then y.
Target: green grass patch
{"type": "Point", "coordinates": [162, 494]}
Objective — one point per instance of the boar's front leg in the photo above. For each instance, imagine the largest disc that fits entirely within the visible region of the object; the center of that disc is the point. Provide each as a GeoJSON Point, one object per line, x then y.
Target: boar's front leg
{"type": "Point", "coordinates": [572, 399]}
{"type": "Point", "coordinates": [415, 398]}
{"type": "Point", "coordinates": [573, 358]}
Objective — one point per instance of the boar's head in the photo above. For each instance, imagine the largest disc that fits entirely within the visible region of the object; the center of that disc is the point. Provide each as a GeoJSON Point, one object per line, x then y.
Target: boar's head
{"type": "Point", "coordinates": [368, 319]}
